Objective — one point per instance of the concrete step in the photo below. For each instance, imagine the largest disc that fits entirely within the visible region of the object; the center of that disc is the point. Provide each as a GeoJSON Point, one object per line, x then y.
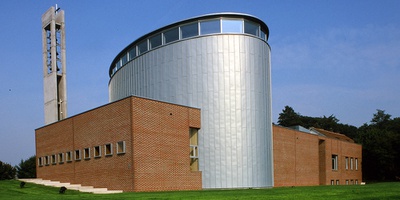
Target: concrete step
{"type": "Point", "coordinates": [69, 186]}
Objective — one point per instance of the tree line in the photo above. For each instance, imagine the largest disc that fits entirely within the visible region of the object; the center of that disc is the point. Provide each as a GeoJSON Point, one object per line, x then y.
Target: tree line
{"type": "Point", "coordinates": [380, 140]}
{"type": "Point", "coordinates": [25, 169]}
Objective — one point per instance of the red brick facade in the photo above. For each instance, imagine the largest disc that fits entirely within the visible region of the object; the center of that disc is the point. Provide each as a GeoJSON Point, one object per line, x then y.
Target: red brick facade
{"type": "Point", "coordinates": [306, 159]}
{"type": "Point", "coordinates": [156, 156]}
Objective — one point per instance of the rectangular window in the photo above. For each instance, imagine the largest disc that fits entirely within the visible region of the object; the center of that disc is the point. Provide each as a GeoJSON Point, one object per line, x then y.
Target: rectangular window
{"type": "Point", "coordinates": [351, 163]}
{"type": "Point", "coordinates": [61, 158]}
{"type": "Point", "coordinates": [97, 151]}
{"type": "Point", "coordinates": [47, 160]}
{"type": "Point", "coordinates": [194, 151]}
{"type": "Point", "coordinates": [334, 162]}
{"type": "Point", "coordinates": [347, 182]}
{"type": "Point", "coordinates": [132, 53]}
{"type": "Point", "coordinates": [347, 162]}
{"type": "Point", "coordinates": [108, 149]}
{"type": "Point", "coordinates": [53, 159]}
{"type": "Point", "coordinates": [86, 153]}
{"type": "Point", "coordinates": [124, 59]}
{"type": "Point", "coordinates": [68, 156]}
{"type": "Point", "coordinates": [251, 28]}
{"type": "Point", "coordinates": [118, 65]}
{"type": "Point", "coordinates": [332, 182]}
{"type": "Point", "coordinates": [210, 26]}
{"type": "Point", "coordinates": [356, 163]}
{"type": "Point", "coordinates": [121, 147]}
{"type": "Point", "coordinates": [78, 155]}
{"type": "Point", "coordinates": [337, 182]}
{"type": "Point", "coordinates": [40, 161]}
{"type": "Point", "coordinates": [190, 30]}
{"type": "Point", "coordinates": [171, 35]}
{"type": "Point", "coordinates": [232, 26]}
{"type": "Point", "coordinates": [263, 35]}
{"type": "Point", "coordinates": [356, 182]}
{"type": "Point", "coordinates": [155, 41]}
{"type": "Point", "coordinates": [142, 47]}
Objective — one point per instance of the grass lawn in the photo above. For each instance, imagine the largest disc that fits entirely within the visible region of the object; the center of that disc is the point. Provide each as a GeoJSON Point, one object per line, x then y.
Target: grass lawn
{"type": "Point", "coordinates": [10, 190]}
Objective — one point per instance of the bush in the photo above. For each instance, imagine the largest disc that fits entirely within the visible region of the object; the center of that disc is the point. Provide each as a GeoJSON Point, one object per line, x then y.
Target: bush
{"type": "Point", "coordinates": [27, 168]}
{"type": "Point", "coordinates": [6, 171]}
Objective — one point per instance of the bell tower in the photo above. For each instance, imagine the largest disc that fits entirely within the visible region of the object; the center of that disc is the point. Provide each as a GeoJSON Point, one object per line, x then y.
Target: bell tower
{"type": "Point", "coordinates": [54, 65]}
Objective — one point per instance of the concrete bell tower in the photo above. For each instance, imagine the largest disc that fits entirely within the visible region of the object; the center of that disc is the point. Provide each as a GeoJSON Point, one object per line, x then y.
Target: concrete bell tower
{"type": "Point", "coordinates": [54, 65]}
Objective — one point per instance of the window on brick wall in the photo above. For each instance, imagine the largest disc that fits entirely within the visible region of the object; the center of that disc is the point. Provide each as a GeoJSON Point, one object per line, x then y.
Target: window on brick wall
{"type": "Point", "coordinates": [40, 161]}
{"type": "Point", "coordinates": [356, 182]}
{"type": "Point", "coordinates": [108, 150]}
{"type": "Point", "coordinates": [121, 147]}
{"type": "Point", "coordinates": [78, 155]}
{"type": "Point", "coordinates": [347, 182]}
{"type": "Point", "coordinates": [337, 182]}
{"type": "Point", "coordinates": [194, 151]}
{"type": "Point", "coordinates": [356, 163]}
{"type": "Point", "coordinates": [346, 159]}
{"type": "Point", "coordinates": [332, 182]}
{"type": "Point", "coordinates": [86, 153]}
{"type": "Point", "coordinates": [68, 156]}
{"type": "Point", "coordinates": [334, 162]}
{"type": "Point", "coordinates": [47, 160]}
{"type": "Point", "coordinates": [61, 158]}
{"type": "Point", "coordinates": [97, 151]}
{"type": "Point", "coordinates": [53, 159]}
{"type": "Point", "coordinates": [351, 163]}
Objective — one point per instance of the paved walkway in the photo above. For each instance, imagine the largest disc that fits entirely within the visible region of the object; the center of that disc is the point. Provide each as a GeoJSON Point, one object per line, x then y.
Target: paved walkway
{"type": "Point", "coordinates": [71, 186]}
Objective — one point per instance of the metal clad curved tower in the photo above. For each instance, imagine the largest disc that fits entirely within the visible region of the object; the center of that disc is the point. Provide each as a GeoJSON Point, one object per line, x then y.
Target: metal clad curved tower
{"type": "Point", "coordinates": [219, 63]}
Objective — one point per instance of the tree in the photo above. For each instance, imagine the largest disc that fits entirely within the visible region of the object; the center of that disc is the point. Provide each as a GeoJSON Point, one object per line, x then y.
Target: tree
{"type": "Point", "coordinates": [6, 171]}
{"type": "Point", "coordinates": [288, 117]}
{"type": "Point", "coordinates": [380, 141]}
{"type": "Point", "coordinates": [27, 168]}
{"type": "Point", "coordinates": [380, 118]}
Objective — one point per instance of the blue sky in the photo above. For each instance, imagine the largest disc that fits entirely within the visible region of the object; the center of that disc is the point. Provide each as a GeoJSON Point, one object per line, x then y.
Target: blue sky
{"type": "Point", "coordinates": [338, 58]}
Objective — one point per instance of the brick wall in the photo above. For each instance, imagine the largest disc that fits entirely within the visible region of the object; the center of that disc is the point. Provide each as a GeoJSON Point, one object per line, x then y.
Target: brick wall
{"type": "Point", "coordinates": [156, 135]}
{"type": "Point", "coordinates": [295, 158]}
{"type": "Point", "coordinates": [161, 147]}
{"type": "Point", "coordinates": [305, 159]}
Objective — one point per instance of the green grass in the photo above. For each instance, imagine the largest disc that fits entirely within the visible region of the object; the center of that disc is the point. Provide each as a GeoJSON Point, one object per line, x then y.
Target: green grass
{"type": "Point", "coordinates": [10, 190]}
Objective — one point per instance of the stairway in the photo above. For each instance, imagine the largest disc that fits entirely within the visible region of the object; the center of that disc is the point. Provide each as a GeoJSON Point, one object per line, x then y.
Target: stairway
{"type": "Point", "coordinates": [69, 186]}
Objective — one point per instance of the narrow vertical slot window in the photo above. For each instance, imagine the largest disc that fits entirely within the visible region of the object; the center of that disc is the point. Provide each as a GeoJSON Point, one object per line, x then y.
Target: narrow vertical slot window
{"type": "Point", "coordinates": [194, 150]}
{"type": "Point", "coordinates": [53, 159]}
{"type": "Point", "coordinates": [351, 163]}
{"type": "Point", "coordinates": [78, 155]}
{"type": "Point", "coordinates": [40, 161]}
{"type": "Point", "coordinates": [61, 158]}
{"type": "Point", "coordinates": [124, 59]}
{"type": "Point", "coordinates": [97, 151]}
{"type": "Point", "coordinates": [86, 153]}
{"type": "Point", "coordinates": [47, 160]}
{"type": "Point", "coordinates": [121, 147]}
{"type": "Point", "coordinates": [334, 162]}
{"type": "Point", "coordinates": [356, 163]}
{"type": "Point", "coordinates": [108, 150]}
{"type": "Point", "coordinates": [68, 156]}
